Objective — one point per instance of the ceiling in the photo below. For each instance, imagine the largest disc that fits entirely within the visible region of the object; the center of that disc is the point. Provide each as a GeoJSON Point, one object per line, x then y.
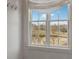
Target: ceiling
{"type": "Point", "coordinates": [45, 4]}
{"type": "Point", "coordinates": [43, 1]}
{"type": "Point", "coordinates": [39, 4]}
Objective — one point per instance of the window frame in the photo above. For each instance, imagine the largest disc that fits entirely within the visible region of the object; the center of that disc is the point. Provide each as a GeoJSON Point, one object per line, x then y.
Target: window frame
{"type": "Point", "coordinates": [48, 33]}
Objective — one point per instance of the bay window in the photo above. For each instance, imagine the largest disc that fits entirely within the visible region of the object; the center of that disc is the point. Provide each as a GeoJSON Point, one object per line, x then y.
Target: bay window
{"type": "Point", "coordinates": [49, 29]}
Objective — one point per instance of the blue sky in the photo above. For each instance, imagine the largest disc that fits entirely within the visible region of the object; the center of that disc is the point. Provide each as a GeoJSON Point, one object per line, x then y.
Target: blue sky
{"type": "Point", "coordinates": [62, 12]}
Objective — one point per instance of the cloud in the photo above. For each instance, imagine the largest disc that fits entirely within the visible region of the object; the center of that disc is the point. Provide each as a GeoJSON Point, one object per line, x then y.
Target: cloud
{"type": "Point", "coordinates": [43, 16]}
{"type": "Point", "coordinates": [52, 14]}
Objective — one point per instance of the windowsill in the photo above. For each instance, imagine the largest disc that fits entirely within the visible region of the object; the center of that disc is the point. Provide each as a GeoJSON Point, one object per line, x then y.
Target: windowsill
{"type": "Point", "coordinates": [50, 49]}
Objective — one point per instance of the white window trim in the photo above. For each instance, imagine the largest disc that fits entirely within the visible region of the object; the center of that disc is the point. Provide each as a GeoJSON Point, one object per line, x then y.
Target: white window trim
{"type": "Point", "coordinates": [46, 48]}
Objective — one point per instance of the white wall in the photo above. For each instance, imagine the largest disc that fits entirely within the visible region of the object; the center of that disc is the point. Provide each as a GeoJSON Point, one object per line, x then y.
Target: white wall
{"type": "Point", "coordinates": [43, 53]}
{"type": "Point", "coordinates": [14, 34]}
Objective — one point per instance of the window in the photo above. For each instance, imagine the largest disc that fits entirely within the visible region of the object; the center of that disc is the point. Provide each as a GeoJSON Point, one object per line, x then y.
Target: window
{"type": "Point", "coordinates": [59, 27]}
{"type": "Point", "coordinates": [50, 29]}
{"type": "Point", "coordinates": [38, 28]}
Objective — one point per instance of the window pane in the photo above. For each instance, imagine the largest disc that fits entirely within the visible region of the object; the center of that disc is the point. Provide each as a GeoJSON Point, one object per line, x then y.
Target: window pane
{"type": "Point", "coordinates": [34, 32]}
{"type": "Point", "coordinates": [38, 16]}
{"type": "Point", "coordinates": [63, 33]}
{"type": "Point", "coordinates": [38, 33]}
{"type": "Point", "coordinates": [35, 16]}
{"type": "Point", "coordinates": [62, 13]}
{"type": "Point", "coordinates": [54, 15]}
{"type": "Point", "coordinates": [42, 16]}
{"type": "Point", "coordinates": [42, 33]}
{"type": "Point", "coordinates": [53, 33]}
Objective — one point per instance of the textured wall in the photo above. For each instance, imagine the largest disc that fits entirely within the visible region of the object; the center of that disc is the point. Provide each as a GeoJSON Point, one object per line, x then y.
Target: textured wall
{"type": "Point", "coordinates": [14, 34]}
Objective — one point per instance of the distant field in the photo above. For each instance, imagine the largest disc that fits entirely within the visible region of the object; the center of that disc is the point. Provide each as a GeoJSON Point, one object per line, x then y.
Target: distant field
{"type": "Point", "coordinates": [57, 37]}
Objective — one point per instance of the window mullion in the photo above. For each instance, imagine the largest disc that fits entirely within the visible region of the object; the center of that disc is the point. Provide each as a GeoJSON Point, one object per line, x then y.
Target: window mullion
{"type": "Point", "coordinates": [69, 26]}
{"type": "Point", "coordinates": [30, 27]}
{"type": "Point", "coordinates": [48, 29]}
{"type": "Point", "coordinates": [58, 31]}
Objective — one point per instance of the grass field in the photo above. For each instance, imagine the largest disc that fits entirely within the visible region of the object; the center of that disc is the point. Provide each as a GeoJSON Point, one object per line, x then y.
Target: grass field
{"type": "Point", "coordinates": [57, 37]}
